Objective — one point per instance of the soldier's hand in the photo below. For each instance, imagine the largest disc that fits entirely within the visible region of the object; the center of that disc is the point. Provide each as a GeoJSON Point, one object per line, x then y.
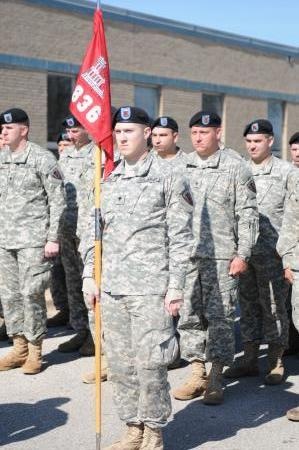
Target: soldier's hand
{"type": "Point", "coordinates": [51, 249]}
{"type": "Point", "coordinates": [237, 266]}
{"type": "Point", "coordinates": [173, 306]}
{"type": "Point", "coordinates": [91, 290]}
{"type": "Point", "coordinates": [288, 275]}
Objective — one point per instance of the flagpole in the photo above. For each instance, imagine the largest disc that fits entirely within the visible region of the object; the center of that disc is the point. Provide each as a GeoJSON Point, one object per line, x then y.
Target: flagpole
{"type": "Point", "coordinates": [98, 270]}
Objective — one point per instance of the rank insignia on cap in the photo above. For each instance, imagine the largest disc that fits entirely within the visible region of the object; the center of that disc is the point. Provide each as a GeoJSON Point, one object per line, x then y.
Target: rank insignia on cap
{"type": "Point", "coordinates": [164, 121]}
{"type": "Point", "coordinates": [8, 117]}
{"type": "Point", "coordinates": [70, 121]}
{"type": "Point", "coordinates": [205, 119]}
{"type": "Point", "coordinates": [125, 112]}
{"type": "Point", "coordinates": [255, 127]}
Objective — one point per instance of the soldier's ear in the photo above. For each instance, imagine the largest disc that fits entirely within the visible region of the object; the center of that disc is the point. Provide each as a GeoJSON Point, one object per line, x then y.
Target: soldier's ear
{"type": "Point", "coordinates": [271, 140]}
{"type": "Point", "coordinates": [147, 132]}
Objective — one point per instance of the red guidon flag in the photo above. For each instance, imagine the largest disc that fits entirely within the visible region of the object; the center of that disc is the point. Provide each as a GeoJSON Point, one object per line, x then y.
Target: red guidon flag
{"type": "Point", "coordinates": [91, 99]}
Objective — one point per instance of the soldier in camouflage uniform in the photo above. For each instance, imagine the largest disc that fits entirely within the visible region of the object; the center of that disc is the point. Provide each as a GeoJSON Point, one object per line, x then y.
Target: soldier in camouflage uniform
{"type": "Point", "coordinates": [263, 291]}
{"type": "Point", "coordinates": [225, 229]}
{"type": "Point", "coordinates": [165, 133]}
{"type": "Point", "coordinates": [146, 214]}
{"type": "Point", "coordinates": [31, 204]}
{"type": "Point", "coordinates": [57, 284]}
{"type": "Point", "coordinates": [288, 249]}
{"type": "Point", "coordinates": [77, 164]}
{"type": "Point", "coordinates": [3, 334]}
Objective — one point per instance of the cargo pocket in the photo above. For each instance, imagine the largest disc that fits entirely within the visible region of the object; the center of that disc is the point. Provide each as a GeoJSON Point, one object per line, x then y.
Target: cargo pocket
{"type": "Point", "coordinates": [161, 351]}
{"type": "Point", "coordinates": [39, 278]}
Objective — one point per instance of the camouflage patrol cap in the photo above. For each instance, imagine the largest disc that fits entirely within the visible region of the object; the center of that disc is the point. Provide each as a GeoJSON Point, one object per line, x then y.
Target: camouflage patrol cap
{"type": "Point", "coordinates": [14, 115]}
{"type": "Point", "coordinates": [130, 114]}
{"type": "Point", "coordinates": [205, 119]}
{"type": "Point", "coordinates": [165, 122]}
{"type": "Point", "coordinates": [259, 126]}
{"type": "Point", "coordinates": [294, 139]}
{"type": "Point", "coordinates": [71, 121]}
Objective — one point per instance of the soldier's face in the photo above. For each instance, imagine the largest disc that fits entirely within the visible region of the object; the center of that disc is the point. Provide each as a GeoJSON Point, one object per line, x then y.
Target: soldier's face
{"type": "Point", "coordinates": [258, 146]}
{"type": "Point", "coordinates": [131, 140]}
{"type": "Point", "coordinates": [2, 145]}
{"type": "Point", "coordinates": [78, 136]}
{"type": "Point", "coordinates": [295, 154]}
{"type": "Point", "coordinates": [205, 140]}
{"type": "Point", "coordinates": [62, 145]}
{"type": "Point", "coordinates": [13, 134]}
{"type": "Point", "coordinates": [164, 139]}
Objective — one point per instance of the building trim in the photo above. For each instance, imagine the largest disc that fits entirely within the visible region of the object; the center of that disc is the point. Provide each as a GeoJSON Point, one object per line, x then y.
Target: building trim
{"type": "Point", "coordinates": [42, 65]}
{"type": "Point", "coordinates": [149, 21]}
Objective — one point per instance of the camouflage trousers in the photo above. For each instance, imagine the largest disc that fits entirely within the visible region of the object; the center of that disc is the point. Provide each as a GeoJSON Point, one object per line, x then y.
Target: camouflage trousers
{"type": "Point", "coordinates": [295, 299]}
{"type": "Point", "coordinates": [139, 343]}
{"type": "Point", "coordinates": [24, 277]}
{"type": "Point", "coordinates": [73, 267]}
{"type": "Point", "coordinates": [58, 285]}
{"type": "Point", "coordinates": [91, 316]}
{"type": "Point", "coordinates": [206, 324]}
{"type": "Point", "coordinates": [263, 296]}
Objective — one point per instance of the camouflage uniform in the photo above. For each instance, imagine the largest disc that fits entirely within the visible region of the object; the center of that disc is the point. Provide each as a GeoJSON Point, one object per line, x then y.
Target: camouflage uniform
{"type": "Point", "coordinates": [31, 203]}
{"type": "Point", "coordinates": [77, 165]}
{"type": "Point", "coordinates": [288, 246]}
{"type": "Point", "coordinates": [263, 291]}
{"type": "Point", "coordinates": [224, 225]}
{"type": "Point", "coordinates": [146, 243]}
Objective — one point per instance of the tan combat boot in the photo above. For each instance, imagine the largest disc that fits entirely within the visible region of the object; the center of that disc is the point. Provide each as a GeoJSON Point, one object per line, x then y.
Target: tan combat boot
{"type": "Point", "coordinates": [276, 369]}
{"type": "Point", "coordinates": [90, 378]}
{"type": "Point", "coordinates": [33, 362]}
{"type": "Point", "coordinates": [195, 384]}
{"type": "Point", "coordinates": [214, 391]}
{"type": "Point", "coordinates": [73, 344]}
{"type": "Point", "coordinates": [131, 440]}
{"type": "Point", "coordinates": [247, 365]}
{"type": "Point", "coordinates": [293, 414]}
{"type": "Point", "coordinates": [152, 439]}
{"type": "Point", "coordinates": [17, 356]}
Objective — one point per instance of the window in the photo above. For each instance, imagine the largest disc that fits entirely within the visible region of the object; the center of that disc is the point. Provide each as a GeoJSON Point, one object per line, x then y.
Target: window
{"type": "Point", "coordinates": [148, 99]}
{"type": "Point", "coordinates": [276, 117]}
{"type": "Point", "coordinates": [59, 94]}
{"type": "Point", "coordinates": [213, 103]}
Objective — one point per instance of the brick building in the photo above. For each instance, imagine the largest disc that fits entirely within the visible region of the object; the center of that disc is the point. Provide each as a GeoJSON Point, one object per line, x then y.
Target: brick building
{"type": "Point", "coordinates": [165, 66]}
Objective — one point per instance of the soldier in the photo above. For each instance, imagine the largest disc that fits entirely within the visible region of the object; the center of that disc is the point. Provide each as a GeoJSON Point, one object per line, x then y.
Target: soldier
{"type": "Point", "coordinates": [31, 204]}
{"type": "Point", "coordinates": [75, 162]}
{"type": "Point", "coordinates": [63, 142]}
{"type": "Point", "coordinates": [288, 249]}
{"type": "Point", "coordinates": [3, 334]}
{"type": "Point", "coordinates": [294, 148]}
{"type": "Point", "coordinates": [165, 133]}
{"type": "Point", "coordinates": [263, 291]}
{"type": "Point", "coordinates": [146, 214]}
{"type": "Point", "coordinates": [57, 284]}
{"type": "Point", "coordinates": [225, 229]}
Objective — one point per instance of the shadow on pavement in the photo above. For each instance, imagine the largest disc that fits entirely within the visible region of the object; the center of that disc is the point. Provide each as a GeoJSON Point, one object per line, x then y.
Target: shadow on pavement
{"type": "Point", "coordinates": [22, 421]}
{"type": "Point", "coordinates": [248, 404]}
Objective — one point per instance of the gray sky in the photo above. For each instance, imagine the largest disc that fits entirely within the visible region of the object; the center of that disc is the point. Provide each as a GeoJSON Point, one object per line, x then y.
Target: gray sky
{"type": "Point", "coordinates": [271, 20]}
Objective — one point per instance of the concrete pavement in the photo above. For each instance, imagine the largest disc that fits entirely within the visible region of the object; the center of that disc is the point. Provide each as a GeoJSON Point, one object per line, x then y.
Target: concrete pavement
{"type": "Point", "coordinates": [54, 410]}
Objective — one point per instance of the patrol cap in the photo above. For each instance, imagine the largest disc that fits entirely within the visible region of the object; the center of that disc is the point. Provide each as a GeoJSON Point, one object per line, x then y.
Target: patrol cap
{"type": "Point", "coordinates": [14, 115]}
{"type": "Point", "coordinates": [205, 119]}
{"type": "Point", "coordinates": [294, 139]}
{"type": "Point", "coordinates": [259, 126]}
{"type": "Point", "coordinates": [71, 121]}
{"type": "Point", "coordinates": [131, 114]}
{"type": "Point", "coordinates": [63, 136]}
{"type": "Point", "coordinates": [165, 122]}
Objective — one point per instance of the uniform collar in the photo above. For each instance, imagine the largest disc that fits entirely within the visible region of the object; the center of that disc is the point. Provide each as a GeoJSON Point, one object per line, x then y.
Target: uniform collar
{"type": "Point", "coordinates": [263, 170]}
{"type": "Point", "coordinates": [211, 161]}
{"type": "Point", "coordinates": [21, 158]}
{"type": "Point", "coordinates": [139, 171]}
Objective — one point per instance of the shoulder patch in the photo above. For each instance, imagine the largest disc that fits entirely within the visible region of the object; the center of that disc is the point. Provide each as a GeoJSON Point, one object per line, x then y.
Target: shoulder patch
{"type": "Point", "coordinates": [251, 185]}
{"type": "Point", "coordinates": [186, 195]}
{"type": "Point", "coordinates": [56, 173]}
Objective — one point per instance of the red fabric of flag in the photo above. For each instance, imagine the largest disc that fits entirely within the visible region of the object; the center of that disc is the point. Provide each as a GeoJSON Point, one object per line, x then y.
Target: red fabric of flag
{"type": "Point", "coordinates": [91, 99]}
